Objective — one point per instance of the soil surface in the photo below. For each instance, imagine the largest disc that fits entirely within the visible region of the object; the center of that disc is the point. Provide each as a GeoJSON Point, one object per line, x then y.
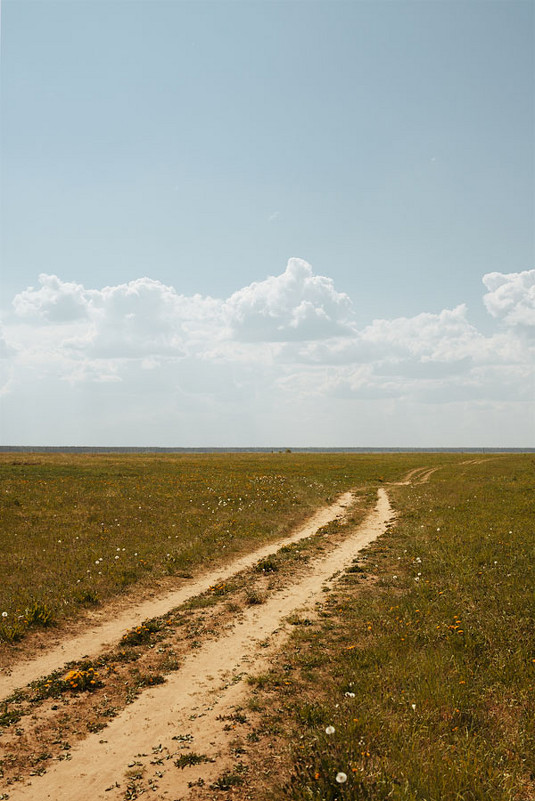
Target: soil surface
{"type": "Point", "coordinates": [173, 740]}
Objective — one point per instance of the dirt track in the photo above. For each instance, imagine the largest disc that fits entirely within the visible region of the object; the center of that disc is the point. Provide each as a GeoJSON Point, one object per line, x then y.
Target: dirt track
{"type": "Point", "coordinates": [188, 711]}
{"type": "Point", "coordinates": [105, 628]}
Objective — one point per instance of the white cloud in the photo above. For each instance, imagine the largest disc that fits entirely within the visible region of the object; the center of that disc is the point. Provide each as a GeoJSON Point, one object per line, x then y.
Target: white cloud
{"type": "Point", "coordinates": [279, 355]}
{"type": "Point", "coordinates": [511, 297]}
{"type": "Point", "coordinates": [55, 301]}
{"type": "Point", "coordinates": [140, 318]}
{"type": "Point", "coordinates": [296, 305]}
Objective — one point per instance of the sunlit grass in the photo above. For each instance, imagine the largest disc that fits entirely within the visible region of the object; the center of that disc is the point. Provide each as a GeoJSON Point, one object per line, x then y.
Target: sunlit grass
{"type": "Point", "coordinates": [427, 674]}
{"type": "Point", "coordinates": [79, 529]}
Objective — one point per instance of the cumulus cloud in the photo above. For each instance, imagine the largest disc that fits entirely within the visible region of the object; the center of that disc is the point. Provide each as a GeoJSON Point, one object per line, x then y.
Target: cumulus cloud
{"type": "Point", "coordinates": [288, 342]}
{"type": "Point", "coordinates": [296, 305]}
{"type": "Point", "coordinates": [511, 297]}
{"type": "Point", "coordinates": [140, 318]}
{"type": "Point", "coordinates": [55, 301]}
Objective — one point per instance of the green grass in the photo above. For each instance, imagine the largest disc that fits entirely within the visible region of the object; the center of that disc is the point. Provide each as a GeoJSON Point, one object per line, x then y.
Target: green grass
{"type": "Point", "coordinates": [79, 529]}
{"type": "Point", "coordinates": [422, 659]}
{"type": "Point", "coordinates": [427, 674]}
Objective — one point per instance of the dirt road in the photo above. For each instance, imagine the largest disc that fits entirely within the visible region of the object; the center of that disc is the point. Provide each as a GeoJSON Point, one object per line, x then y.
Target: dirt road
{"type": "Point", "coordinates": [190, 712]}
{"type": "Point", "coordinates": [106, 627]}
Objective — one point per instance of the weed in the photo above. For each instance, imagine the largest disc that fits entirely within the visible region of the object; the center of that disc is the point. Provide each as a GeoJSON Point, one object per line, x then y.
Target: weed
{"type": "Point", "coordinates": [253, 597]}
{"type": "Point", "coordinates": [230, 778]}
{"type": "Point", "coordinates": [140, 634]}
{"type": "Point", "coordinates": [87, 598]}
{"type": "Point", "coordinates": [8, 717]}
{"type": "Point", "coordinates": [38, 613]}
{"type": "Point", "coordinates": [13, 632]}
{"type": "Point", "coordinates": [185, 760]}
{"type": "Point", "coordinates": [267, 565]}
{"type": "Point", "coordinates": [80, 680]}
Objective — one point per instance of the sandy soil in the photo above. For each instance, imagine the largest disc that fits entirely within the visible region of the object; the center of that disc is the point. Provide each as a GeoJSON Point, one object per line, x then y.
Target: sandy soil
{"type": "Point", "coordinates": [193, 711]}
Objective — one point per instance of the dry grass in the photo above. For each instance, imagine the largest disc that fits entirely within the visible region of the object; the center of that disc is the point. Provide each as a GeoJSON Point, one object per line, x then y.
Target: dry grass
{"type": "Point", "coordinates": [78, 529]}
{"type": "Point", "coordinates": [426, 673]}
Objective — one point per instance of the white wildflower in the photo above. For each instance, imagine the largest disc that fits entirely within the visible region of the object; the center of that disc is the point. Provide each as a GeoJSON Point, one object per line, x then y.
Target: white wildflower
{"type": "Point", "coordinates": [330, 730]}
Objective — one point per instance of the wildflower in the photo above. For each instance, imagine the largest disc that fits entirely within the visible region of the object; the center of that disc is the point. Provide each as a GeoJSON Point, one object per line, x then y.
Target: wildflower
{"type": "Point", "coordinates": [330, 730]}
{"type": "Point", "coordinates": [4, 614]}
{"type": "Point", "coordinates": [341, 777]}
{"type": "Point", "coordinates": [413, 706]}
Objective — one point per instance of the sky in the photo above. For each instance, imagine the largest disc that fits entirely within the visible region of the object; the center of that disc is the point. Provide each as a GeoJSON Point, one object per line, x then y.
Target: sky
{"type": "Point", "coordinates": [267, 223]}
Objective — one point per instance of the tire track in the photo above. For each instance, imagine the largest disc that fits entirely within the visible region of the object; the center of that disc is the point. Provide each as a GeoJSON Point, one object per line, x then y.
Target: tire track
{"type": "Point", "coordinates": [103, 634]}
{"type": "Point", "coordinates": [193, 700]}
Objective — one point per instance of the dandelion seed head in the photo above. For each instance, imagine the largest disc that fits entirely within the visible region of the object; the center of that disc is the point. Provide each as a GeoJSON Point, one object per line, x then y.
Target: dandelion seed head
{"type": "Point", "coordinates": [341, 777]}
{"type": "Point", "coordinates": [330, 730]}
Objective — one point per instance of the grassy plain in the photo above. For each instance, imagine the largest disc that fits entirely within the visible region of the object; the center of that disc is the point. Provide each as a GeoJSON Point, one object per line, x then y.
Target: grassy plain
{"type": "Point", "coordinates": [77, 529]}
{"type": "Point", "coordinates": [419, 684]}
{"type": "Point", "coordinates": [415, 684]}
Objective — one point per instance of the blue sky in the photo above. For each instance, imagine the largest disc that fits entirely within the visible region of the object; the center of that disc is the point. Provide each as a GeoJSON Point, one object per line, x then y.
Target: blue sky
{"type": "Point", "coordinates": [197, 147]}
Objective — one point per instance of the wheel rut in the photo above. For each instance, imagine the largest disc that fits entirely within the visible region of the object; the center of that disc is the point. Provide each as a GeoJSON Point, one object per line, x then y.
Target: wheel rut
{"type": "Point", "coordinates": [189, 710]}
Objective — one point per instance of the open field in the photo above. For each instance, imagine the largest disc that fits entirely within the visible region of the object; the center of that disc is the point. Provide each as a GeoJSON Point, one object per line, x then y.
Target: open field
{"type": "Point", "coordinates": [427, 676]}
{"type": "Point", "coordinates": [78, 530]}
{"type": "Point", "coordinates": [408, 675]}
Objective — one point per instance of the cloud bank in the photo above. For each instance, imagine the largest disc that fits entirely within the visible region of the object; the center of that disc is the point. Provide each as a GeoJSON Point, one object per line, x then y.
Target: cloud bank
{"type": "Point", "coordinates": [280, 360]}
